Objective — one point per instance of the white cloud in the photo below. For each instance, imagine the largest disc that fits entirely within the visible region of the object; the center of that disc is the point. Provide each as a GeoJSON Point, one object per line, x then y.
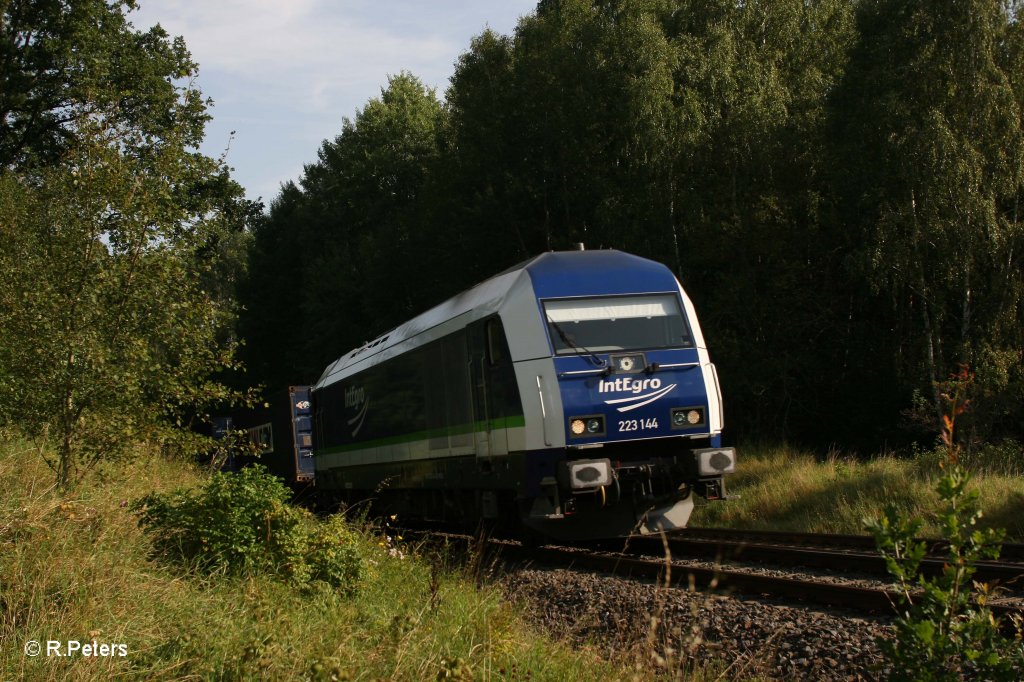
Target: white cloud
{"type": "Point", "coordinates": [283, 74]}
{"type": "Point", "coordinates": [307, 48]}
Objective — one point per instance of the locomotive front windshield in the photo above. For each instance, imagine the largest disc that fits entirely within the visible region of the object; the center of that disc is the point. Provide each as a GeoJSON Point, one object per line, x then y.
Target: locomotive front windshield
{"type": "Point", "coordinates": [617, 323]}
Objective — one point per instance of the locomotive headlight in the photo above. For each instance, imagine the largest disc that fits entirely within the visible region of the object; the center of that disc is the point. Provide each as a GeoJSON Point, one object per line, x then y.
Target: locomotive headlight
{"type": "Point", "coordinates": [592, 425]}
{"type": "Point", "coordinates": [687, 417]}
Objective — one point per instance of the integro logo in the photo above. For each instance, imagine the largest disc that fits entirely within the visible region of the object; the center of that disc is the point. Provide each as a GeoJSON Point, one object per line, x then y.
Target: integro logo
{"type": "Point", "coordinates": [355, 396]}
{"type": "Point", "coordinates": [636, 387]}
{"type": "Point", "coordinates": [627, 384]}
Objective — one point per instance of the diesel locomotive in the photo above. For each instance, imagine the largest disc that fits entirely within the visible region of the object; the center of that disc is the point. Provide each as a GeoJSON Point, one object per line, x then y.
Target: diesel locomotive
{"type": "Point", "coordinates": [571, 395]}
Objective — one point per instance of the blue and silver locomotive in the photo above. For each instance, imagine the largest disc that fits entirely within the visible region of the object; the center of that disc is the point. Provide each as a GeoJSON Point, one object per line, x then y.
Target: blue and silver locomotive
{"type": "Point", "coordinates": [572, 395]}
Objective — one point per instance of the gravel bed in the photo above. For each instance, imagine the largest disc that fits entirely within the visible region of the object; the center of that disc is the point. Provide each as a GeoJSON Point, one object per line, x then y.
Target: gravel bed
{"type": "Point", "coordinates": [821, 575]}
{"type": "Point", "coordinates": [1008, 595]}
{"type": "Point", "coordinates": [670, 628]}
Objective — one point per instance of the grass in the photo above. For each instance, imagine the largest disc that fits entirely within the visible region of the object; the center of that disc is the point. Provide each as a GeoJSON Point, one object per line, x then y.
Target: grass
{"type": "Point", "coordinates": [780, 488]}
{"type": "Point", "coordinates": [79, 568]}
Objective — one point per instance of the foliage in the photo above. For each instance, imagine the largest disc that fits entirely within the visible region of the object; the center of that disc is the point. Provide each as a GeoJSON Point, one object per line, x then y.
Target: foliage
{"type": "Point", "coordinates": [241, 523]}
{"type": "Point", "coordinates": [837, 187]}
{"type": "Point", "coordinates": [329, 263]}
{"type": "Point", "coordinates": [945, 631]}
{"type": "Point", "coordinates": [81, 564]}
{"type": "Point", "coordinates": [112, 231]}
{"type": "Point", "coordinates": [928, 122]}
{"type": "Point", "coordinates": [837, 184]}
{"type": "Point", "coordinates": [65, 62]}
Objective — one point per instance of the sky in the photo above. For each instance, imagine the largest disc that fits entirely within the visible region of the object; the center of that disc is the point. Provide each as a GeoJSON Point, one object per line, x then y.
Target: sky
{"type": "Point", "coordinates": [283, 74]}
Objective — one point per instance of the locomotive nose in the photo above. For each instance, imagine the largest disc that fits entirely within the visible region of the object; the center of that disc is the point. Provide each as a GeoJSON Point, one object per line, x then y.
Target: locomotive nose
{"type": "Point", "coordinates": [660, 396]}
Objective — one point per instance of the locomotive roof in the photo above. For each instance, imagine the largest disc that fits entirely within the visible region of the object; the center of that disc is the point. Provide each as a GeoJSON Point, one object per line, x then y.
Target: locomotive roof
{"type": "Point", "coordinates": [550, 274]}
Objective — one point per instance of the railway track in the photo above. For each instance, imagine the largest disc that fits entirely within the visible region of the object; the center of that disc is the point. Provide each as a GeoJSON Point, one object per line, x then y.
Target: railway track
{"type": "Point", "coordinates": [845, 553]}
{"type": "Point", "coordinates": [1011, 551]}
{"type": "Point", "coordinates": [645, 558]}
{"type": "Point", "coordinates": [728, 580]}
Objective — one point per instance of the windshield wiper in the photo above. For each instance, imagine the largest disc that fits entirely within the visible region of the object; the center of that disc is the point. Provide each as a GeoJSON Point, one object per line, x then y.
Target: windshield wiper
{"type": "Point", "coordinates": [571, 342]}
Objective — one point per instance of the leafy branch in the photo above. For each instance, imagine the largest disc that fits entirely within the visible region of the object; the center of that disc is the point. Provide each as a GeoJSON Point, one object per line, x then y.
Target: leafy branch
{"type": "Point", "coordinates": [945, 631]}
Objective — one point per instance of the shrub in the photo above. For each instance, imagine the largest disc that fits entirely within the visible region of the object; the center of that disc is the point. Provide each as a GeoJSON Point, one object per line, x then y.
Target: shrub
{"type": "Point", "coordinates": [945, 630]}
{"type": "Point", "coordinates": [332, 555]}
{"type": "Point", "coordinates": [1001, 457]}
{"type": "Point", "coordinates": [241, 524]}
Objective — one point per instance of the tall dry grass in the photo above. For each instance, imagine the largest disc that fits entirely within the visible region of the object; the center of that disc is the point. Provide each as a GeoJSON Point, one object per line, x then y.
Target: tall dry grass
{"type": "Point", "coordinates": [783, 488]}
{"type": "Point", "coordinates": [79, 568]}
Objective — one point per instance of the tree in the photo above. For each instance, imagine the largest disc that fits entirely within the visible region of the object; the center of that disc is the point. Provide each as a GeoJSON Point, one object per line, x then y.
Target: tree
{"type": "Point", "coordinates": [563, 134]}
{"type": "Point", "coordinates": [109, 227]}
{"type": "Point", "coordinates": [836, 183]}
{"type": "Point", "coordinates": [330, 264]}
{"type": "Point", "coordinates": [272, 292]}
{"type": "Point", "coordinates": [932, 137]}
{"type": "Point", "coordinates": [760, 253]}
{"type": "Point", "coordinates": [62, 60]}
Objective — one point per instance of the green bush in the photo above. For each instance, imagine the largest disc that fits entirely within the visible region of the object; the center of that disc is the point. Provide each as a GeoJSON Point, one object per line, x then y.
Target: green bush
{"type": "Point", "coordinates": [241, 524]}
{"type": "Point", "coordinates": [332, 556]}
{"type": "Point", "coordinates": [945, 630]}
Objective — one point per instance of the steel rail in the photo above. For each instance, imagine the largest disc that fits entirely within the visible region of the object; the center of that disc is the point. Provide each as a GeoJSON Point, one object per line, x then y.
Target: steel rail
{"type": "Point", "coordinates": [996, 572]}
{"type": "Point", "coordinates": [1012, 551]}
